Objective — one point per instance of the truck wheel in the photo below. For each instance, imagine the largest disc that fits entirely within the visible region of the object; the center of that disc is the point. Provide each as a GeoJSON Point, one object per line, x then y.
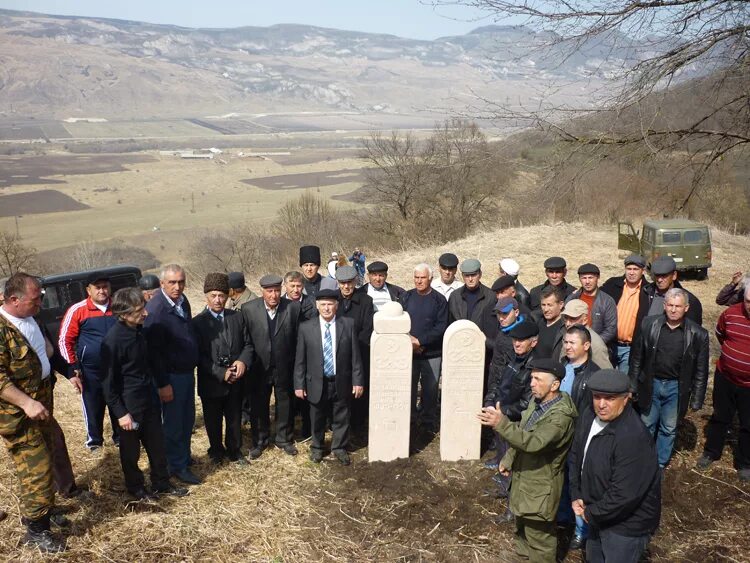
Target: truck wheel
{"type": "Point", "coordinates": [702, 274]}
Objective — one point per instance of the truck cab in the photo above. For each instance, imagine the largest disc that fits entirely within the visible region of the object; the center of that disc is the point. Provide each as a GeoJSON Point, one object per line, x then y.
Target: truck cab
{"type": "Point", "coordinates": [63, 290]}
{"type": "Point", "coordinates": [687, 242]}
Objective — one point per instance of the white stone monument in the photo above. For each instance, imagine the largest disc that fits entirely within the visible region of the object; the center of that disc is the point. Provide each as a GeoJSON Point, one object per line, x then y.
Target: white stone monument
{"type": "Point", "coordinates": [463, 379]}
{"type": "Point", "coordinates": [390, 384]}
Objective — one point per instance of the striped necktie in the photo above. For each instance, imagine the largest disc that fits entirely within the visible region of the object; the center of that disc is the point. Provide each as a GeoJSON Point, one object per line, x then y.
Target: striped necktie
{"type": "Point", "coordinates": [328, 352]}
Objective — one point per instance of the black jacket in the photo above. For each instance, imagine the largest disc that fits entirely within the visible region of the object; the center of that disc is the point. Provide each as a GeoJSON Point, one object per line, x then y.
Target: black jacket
{"type": "Point", "coordinates": [614, 287]}
{"type": "Point", "coordinates": [620, 483]}
{"type": "Point", "coordinates": [581, 395]}
{"type": "Point", "coordinates": [395, 291]}
{"type": "Point", "coordinates": [128, 385]}
{"type": "Point", "coordinates": [217, 340]}
{"type": "Point", "coordinates": [535, 296]}
{"type": "Point", "coordinates": [522, 295]}
{"type": "Point", "coordinates": [512, 389]}
{"type": "Point", "coordinates": [502, 355]}
{"type": "Point", "coordinates": [693, 371]}
{"type": "Point", "coordinates": [360, 309]}
{"type": "Point", "coordinates": [695, 312]}
{"type": "Point", "coordinates": [482, 314]}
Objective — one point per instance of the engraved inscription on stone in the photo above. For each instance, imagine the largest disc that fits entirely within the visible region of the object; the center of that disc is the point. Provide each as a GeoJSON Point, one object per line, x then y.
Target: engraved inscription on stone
{"type": "Point", "coordinates": [462, 382]}
{"type": "Point", "coordinates": [390, 384]}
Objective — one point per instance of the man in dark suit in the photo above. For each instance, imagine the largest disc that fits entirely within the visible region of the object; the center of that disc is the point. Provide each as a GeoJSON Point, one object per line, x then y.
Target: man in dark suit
{"type": "Point", "coordinates": [223, 359]}
{"type": "Point", "coordinates": [377, 288]}
{"type": "Point", "coordinates": [271, 331]}
{"type": "Point", "coordinates": [328, 373]}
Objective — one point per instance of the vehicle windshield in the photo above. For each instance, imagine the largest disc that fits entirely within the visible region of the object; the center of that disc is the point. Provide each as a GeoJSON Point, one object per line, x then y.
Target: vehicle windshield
{"type": "Point", "coordinates": [671, 237]}
{"type": "Point", "coordinates": [694, 236]}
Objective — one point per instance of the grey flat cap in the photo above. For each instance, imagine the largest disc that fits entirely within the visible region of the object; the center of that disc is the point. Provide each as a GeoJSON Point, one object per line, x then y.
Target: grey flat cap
{"type": "Point", "coordinates": [271, 280]}
{"type": "Point", "coordinates": [636, 260]}
{"type": "Point", "coordinates": [346, 273]}
{"type": "Point", "coordinates": [609, 382]}
{"type": "Point", "coordinates": [555, 263]}
{"type": "Point", "coordinates": [470, 266]}
{"type": "Point", "coordinates": [663, 265]}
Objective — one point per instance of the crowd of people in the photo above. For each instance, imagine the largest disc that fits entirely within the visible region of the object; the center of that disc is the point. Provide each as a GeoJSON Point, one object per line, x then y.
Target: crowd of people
{"type": "Point", "coordinates": [584, 387]}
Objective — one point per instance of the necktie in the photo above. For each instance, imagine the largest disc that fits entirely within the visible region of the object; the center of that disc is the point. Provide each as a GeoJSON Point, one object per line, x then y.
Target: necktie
{"type": "Point", "coordinates": [328, 352]}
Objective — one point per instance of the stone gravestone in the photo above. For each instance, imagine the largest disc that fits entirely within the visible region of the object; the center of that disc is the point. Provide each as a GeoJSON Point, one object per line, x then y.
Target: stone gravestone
{"type": "Point", "coordinates": [390, 384]}
{"type": "Point", "coordinates": [463, 379]}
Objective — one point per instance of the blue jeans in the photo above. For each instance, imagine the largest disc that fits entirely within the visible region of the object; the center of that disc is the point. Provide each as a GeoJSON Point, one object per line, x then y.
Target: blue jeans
{"type": "Point", "coordinates": [178, 418]}
{"type": "Point", "coordinates": [606, 546]}
{"type": "Point", "coordinates": [623, 358]}
{"type": "Point", "coordinates": [428, 371]}
{"type": "Point", "coordinates": [565, 513]}
{"type": "Point", "coordinates": [663, 412]}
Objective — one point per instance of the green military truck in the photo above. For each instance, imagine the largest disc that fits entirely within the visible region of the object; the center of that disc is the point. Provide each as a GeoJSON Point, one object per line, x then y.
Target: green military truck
{"type": "Point", "coordinates": [688, 242]}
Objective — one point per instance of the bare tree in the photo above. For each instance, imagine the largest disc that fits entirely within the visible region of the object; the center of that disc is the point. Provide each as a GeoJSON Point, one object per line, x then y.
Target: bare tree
{"type": "Point", "coordinates": [14, 255]}
{"type": "Point", "coordinates": [676, 39]}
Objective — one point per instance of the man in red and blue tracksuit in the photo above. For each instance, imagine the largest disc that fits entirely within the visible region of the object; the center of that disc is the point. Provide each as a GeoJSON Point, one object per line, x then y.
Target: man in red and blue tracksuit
{"type": "Point", "coordinates": [82, 331]}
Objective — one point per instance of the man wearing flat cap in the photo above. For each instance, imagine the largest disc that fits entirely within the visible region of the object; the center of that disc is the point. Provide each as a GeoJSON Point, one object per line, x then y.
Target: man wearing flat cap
{"type": "Point", "coordinates": [271, 325]}
{"type": "Point", "coordinates": [510, 267]}
{"type": "Point", "coordinates": [539, 445]}
{"type": "Point", "coordinates": [602, 316]}
{"type": "Point", "coordinates": [358, 306]}
{"type": "Point", "coordinates": [328, 373]}
{"type": "Point", "coordinates": [576, 312]}
{"type": "Point", "coordinates": [309, 262]}
{"type": "Point", "coordinates": [446, 283]}
{"type": "Point", "coordinates": [555, 268]}
{"type": "Point", "coordinates": [664, 272]}
{"type": "Point", "coordinates": [379, 291]}
{"type": "Point", "coordinates": [474, 302]}
{"type": "Point", "coordinates": [223, 358]}
{"type": "Point", "coordinates": [615, 482]}
{"type": "Point", "coordinates": [149, 285]}
{"type": "Point", "coordinates": [629, 292]}
{"type": "Point", "coordinates": [82, 330]}
{"type": "Point", "coordinates": [505, 286]}
{"type": "Point", "coordinates": [239, 293]}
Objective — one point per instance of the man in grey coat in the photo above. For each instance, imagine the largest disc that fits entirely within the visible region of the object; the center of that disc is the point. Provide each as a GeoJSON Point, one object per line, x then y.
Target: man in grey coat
{"type": "Point", "coordinates": [602, 308]}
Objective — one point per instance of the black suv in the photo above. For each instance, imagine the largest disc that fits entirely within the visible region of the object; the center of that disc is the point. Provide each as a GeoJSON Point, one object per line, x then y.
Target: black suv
{"type": "Point", "coordinates": [63, 290]}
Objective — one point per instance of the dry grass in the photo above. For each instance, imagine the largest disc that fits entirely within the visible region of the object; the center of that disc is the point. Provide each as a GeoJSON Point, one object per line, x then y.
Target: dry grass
{"type": "Point", "coordinates": [282, 508]}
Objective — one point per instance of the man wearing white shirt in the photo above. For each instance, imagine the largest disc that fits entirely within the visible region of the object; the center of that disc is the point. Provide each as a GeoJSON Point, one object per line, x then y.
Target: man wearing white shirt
{"type": "Point", "coordinates": [26, 403]}
{"type": "Point", "coordinates": [377, 288]}
{"type": "Point", "coordinates": [328, 373]}
{"type": "Point", "coordinates": [447, 282]}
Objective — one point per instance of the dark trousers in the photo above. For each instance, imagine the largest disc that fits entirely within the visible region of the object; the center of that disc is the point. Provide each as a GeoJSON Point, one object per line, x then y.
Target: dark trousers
{"type": "Point", "coordinates": [178, 419]}
{"type": "Point", "coordinates": [62, 470]}
{"type": "Point", "coordinates": [337, 408]}
{"type": "Point", "coordinates": [604, 545]}
{"type": "Point", "coordinates": [216, 410]}
{"type": "Point", "coordinates": [92, 399]}
{"type": "Point", "coordinates": [260, 413]}
{"type": "Point", "coordinates": [149, 434]}
{"type": "Point", "coordinates": [302, 408]}
{"type": "Point", "coordinates": [728, 399]}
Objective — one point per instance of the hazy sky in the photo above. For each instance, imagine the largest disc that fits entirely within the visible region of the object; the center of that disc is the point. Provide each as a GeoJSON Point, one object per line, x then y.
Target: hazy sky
{"type": "Point", "coordinates": [407, 18]}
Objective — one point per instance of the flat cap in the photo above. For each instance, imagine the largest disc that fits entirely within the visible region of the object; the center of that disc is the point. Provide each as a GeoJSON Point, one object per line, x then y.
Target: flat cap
{"type": "Point", "coordinates": [327, 294]}
{"type": "Point", "coordinates": [94, 277]}
{"type": "Point", "coordinates": [505, 305]}
{"type": "Point", "coordinates": [510, 266]}
{"type": "Point", "coordinates": [555, 263]}
{"type": "Point", "coordinates": [236, 280]}
{"type": "Point", "coordinates": [309, 254]}
{"type": "Point", "coordinates": [636, 259]}
{"type": "Point", "coordinates": [377, 267]}
{"type": "Point", "coordinates": [470, 266]}
{"type": "Point", "coordinates": [663, 265]}
{"type": "Point", "coordinates": [216, 281]}
{"type": "Point", "coordinates": [524, 330]}
{"type": "Point", "coordinates": [589, 268]}
{"type": "Point", "coordinates": [148, 282]}
{"type": "Point", "coordinates": [346, 273]}
{"type": "Point", "coordinates": [328, 283]}
{"type": "Point", "coordinates": [575, 308]}
{"type": "Point", "coordinates": [270, 280]}
{"type": "Point", "coordinates": [502, 282]}
{"type": "Point", "coordinates": [448, 260]}
{"type": "Point", "coordinates": [548, 365]}
{"type": "Point", "coordinates": [609, 382]}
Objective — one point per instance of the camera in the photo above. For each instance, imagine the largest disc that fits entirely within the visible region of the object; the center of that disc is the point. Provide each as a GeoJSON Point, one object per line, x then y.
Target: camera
{"type": "Point", "coordinates": [224, 361]}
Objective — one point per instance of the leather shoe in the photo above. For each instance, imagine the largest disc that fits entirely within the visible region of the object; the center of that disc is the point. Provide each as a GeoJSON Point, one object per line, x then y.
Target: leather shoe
{"type": "Point", "coordinates": [171, 490]}
{"type": "Point", "coordinates": [578, 542]}
{"type": "Point", "coordinates": [316, 456]}
{"type": "Point", "coordinates": [343, 457]}
{"type": "Point", "coordinates": [143, 494]}
{"type": "Point", "coordinates": [59, 520]}
{"type": "Point", "coordinates": [44, 541]}
{"type": "Point", "coordinates": [256, 451]}
{"type": "Point", "coordinates": [187, 476]}
{"type": "Point", "coordinates": [744, 474]}
{"type": "Point", "coordinates": [289, 449]}
{"type": "Point", "coordinates": [504, 518]}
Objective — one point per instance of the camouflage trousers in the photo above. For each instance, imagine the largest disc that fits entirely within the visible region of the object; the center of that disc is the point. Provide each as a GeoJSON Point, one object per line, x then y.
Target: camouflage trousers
{"type": "Point", "coordinates": [31, 449]}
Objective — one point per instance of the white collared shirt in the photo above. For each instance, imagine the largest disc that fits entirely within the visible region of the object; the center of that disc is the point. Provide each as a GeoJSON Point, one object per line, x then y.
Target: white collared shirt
{"type": "Point", "coordinates": [379, 296]}
{"type": "Point", "coordinates": [176, 304]}
{"type": "Point", "coordinates": [31, 331]}
{"type": "Point", "coordinates": [271, 312]}
{"type": "Point", "coordinates": [217, 316]}
{"type": "Point", "coordinates": [332, 328]}
{"type": "Point", "coordinates": [444, 289]}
